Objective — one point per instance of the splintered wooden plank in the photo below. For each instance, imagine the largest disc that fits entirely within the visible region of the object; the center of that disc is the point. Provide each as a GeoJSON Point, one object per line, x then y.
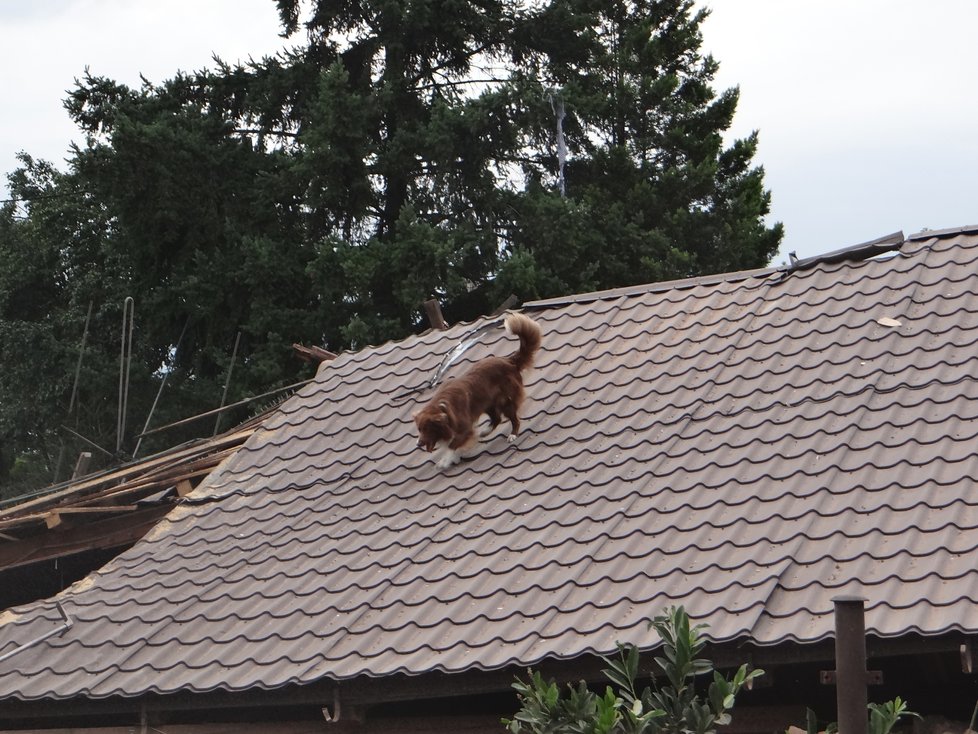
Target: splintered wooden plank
{"type": "Point", "coordinates": [130, 472]}
{"type": "Point", "coordinates": [312, 354]}
{"type": "Point", "coordinates": [163, 480]}
{"type": "Point", "coordinates": [143, 486]}
{"type": "Point", "coordinates": [96, 510]}
{"type": "Point", "coordinates": [23, 520]}
{"type": "Point", "coordinates": [56, 518]}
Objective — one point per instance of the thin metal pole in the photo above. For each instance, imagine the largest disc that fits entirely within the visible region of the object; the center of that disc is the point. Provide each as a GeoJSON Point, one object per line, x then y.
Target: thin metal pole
{"type": "Point", "coordinates": [850, 664]}
{"type": "Point", "coordinates": [125, 362]}
{"type": "Point", "coordinates": [74, 388]}
{"type": "Point", "coordinates": [558, 109]}
{"type": "Point", "coordinates": [159, 392]}
{"type": "Point", "coordinates": [91, 443]}
{"type": "Point", "coordinates": [81, 354]}
{"type": "Point", "coordinates": [66, 624]}
{"type": "Point", "coordinates": [209, 413]}
{"type": "Point", "coordinates": [227, 382]}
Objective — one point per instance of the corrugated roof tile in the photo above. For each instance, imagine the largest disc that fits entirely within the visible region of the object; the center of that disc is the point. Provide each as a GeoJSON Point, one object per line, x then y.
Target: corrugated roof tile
{"type": "Point", "coordinates": [749, 446]}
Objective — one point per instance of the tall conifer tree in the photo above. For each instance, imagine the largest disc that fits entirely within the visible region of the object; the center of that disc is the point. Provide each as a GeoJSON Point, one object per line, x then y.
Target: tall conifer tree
{"type": "Point", "coordinates": [402, 149]}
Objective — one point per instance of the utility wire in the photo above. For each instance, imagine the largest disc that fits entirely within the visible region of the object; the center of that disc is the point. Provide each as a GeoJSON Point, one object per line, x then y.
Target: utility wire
{"type": "Point", "coordinates": [42, 197]}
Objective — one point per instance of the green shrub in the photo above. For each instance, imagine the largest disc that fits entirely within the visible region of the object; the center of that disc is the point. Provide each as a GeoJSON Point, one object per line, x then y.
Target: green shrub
{"type": "Point", "coordinates": [674, 707]}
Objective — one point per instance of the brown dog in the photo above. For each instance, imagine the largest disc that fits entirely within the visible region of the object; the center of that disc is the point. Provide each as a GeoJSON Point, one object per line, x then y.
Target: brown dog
{"type": "Point", "coordinates": [493, 387]}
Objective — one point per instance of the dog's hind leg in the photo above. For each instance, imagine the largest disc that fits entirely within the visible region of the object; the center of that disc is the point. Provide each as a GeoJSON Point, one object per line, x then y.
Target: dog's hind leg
{"type": "Point", "coordinates": [494, 420]}
{"type": "Point", "coordinates": [514, 420]}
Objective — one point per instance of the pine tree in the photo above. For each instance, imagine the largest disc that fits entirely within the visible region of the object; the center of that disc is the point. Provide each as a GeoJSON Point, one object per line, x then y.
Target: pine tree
{"type": "Point", "coordinates": [401, 150]}
{"type": "Point", "coordinates": [651, 191]}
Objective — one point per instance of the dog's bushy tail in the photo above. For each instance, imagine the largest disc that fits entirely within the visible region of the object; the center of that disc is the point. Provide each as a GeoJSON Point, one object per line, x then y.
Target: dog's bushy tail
{"type": "Point", "coordinates": [529, 333]}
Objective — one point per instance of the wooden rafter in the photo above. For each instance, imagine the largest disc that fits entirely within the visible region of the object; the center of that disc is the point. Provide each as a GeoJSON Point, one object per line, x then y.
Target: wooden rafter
{"type": "Point", "coordinates": [109, 532]}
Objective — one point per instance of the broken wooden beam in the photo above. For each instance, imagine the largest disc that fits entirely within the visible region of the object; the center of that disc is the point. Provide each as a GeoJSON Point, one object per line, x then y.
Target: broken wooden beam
{"type": "Point", "coordinates": [55, 518]}
{"type": "Point", "coordinates": [110, 532]}
{"type": "Point", "coordinates": [433, 309]}
{"type": "Point", "coordinates": [128, 474]}
{"type": "Point", "coordinates": [312, 354]}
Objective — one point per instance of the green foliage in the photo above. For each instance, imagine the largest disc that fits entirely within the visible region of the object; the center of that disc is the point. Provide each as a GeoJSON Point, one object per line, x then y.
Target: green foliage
{"type": "Point", "coordinates": [674, 707]}
{"type": "Point", "coordinates": [399, 151]}
{"type": "Point", "coordinates": [812, 727]}
{"type": "Point", "coordinates": [882, 718]}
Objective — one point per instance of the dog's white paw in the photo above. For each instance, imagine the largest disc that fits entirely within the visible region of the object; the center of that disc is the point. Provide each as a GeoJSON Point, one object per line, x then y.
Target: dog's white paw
{"type": "Point", "coordinates": [449, 459]}
{"type": "Point", "coordinates": [511, 438]}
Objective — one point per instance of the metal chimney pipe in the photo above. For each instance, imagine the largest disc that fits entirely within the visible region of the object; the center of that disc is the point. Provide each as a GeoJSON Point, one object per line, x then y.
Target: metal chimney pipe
{"type": "Point", "coordinates": [850, 664]}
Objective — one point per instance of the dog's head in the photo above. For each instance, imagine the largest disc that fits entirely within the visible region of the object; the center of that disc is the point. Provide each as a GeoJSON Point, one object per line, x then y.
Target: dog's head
{"type": "Point", "coordinates": [434, 427]}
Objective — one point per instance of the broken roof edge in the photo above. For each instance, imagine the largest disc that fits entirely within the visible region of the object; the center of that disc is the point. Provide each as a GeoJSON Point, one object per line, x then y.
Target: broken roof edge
{"type": "Point", "coordinates": [855, 253]}
{"type": "Point", "coordinates": [926, 234]}
{"type": "Point", "coordinates": [862, 251]}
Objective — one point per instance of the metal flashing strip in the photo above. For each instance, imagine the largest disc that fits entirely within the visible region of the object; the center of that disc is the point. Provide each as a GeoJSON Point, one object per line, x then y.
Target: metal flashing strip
{"type": "Point", "coordinates": [659, 287]}
{"type": "Point", "coordinates": [65, 626]}
{"type": "Point", "coordinates": [467, 340]}
{"type": "Point", "coordinates": [927, 234]}
{"type": "Point", "coordinates": [862, 251]}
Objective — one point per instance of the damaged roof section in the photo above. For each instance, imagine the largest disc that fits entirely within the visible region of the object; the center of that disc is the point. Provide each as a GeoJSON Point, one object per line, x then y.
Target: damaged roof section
{"type": "Point", "coordinates": [750, 447]}
{"type": "Point", "coordinates": [108, 509]}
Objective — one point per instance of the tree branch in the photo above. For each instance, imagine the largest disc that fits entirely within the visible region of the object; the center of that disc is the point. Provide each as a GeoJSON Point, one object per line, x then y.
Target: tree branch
{"type": "Point", "coordinates": [277, 133]}
{"type": "Point", "coordinates": [431, 70]}
{"type": "Point", "coordinates": [459, 83]}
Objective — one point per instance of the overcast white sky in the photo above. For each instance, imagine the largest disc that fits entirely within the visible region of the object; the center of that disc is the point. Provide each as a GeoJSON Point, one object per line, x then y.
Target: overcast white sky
{"type": "Point", "coordinates": [866, 108]}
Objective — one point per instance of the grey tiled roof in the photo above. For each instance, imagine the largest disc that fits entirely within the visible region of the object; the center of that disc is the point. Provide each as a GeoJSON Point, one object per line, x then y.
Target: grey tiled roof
{"type": "Point", "coordinates": [750, 446]}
